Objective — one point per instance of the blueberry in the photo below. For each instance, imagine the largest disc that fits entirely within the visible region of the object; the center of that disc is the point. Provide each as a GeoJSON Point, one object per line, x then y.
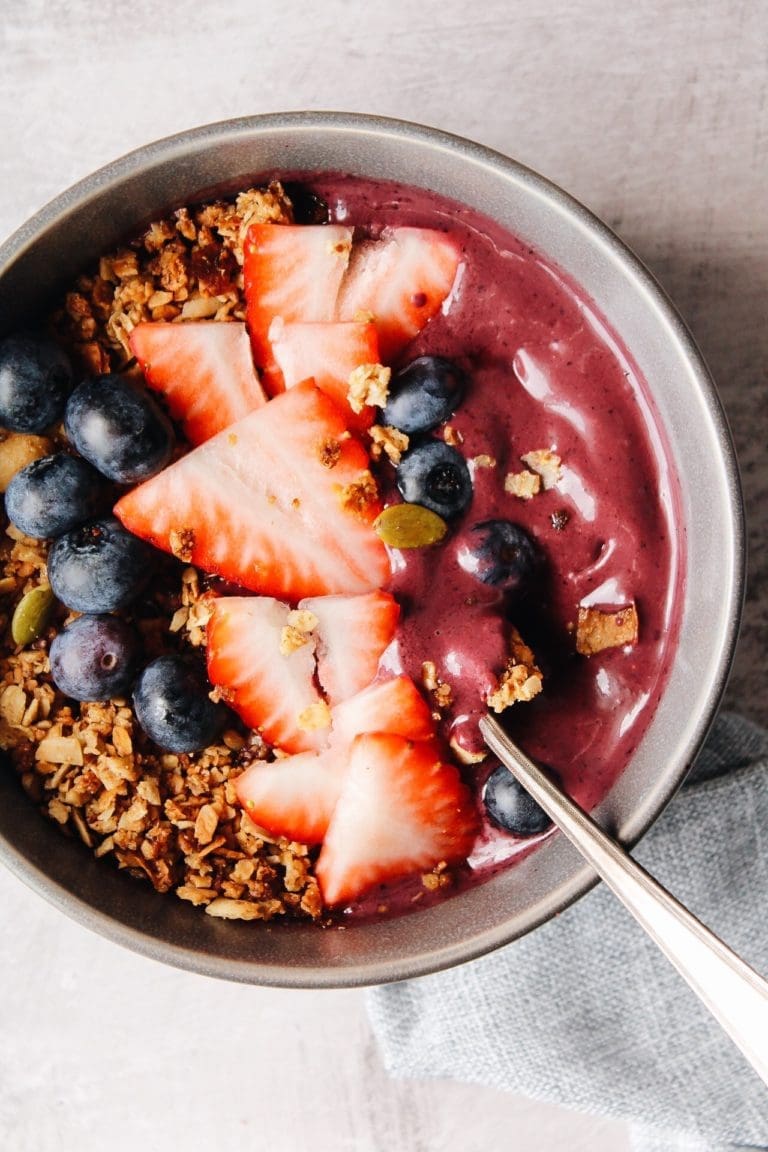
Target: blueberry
{"type": "Point", "coordinates": [510, 807]}
{"type": "Point", "coordinates": [173, 707]}
{"type": "Point", "coordinates": [54, 494]}
{"type": "Point", "coordinates": [94, 658]}
{"type": "Point", "coordinates": [119, 428]}
{"type": "Point", "coordinates": [498, 552]}
{"type": "Point", "coordinates": [424, 394]}
{"type": "Point", "coordinates": [99, 567]}
{"type": "Point", "coordinates": [436, 476]}
{"type": "Point", "coordinates": [35, 380]}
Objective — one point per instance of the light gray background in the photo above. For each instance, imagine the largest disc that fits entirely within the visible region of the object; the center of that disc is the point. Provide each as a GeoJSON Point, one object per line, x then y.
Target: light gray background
{"type": "Point", "coordinates": [654, 114]}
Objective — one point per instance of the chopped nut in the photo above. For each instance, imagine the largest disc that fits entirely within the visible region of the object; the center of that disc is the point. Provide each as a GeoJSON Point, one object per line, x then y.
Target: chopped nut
{"type": "Point", "coordinates": [329, 452]}
{"type": "Point", "coordinates": [358, 496]}
{"type": "Point", "coordinates": [368, 384]}
{"type": "Point", "coordinates": [298, 631]}
{"type": "Point", "coordinates": [243, 909]}
{"type": "Point", "coordinates": [443, 695]}
{"type": "Point", "coordinates": [484, 461]}
{"type": "Point", "coordinates": [157, 299]}
{"type": "Point", "coordinates": [18, 449]}
{"type": "Point", "coordinates": [545, 464]}
{"type": "Point", "coordinates": [182, 542]}
{"type": "Point", "coordinates": [521, 680]}
{"type": "Point", "coordinates": [597, 630]}
{"type": "Point", "coordinates": [206, 824]}
{"type": "Point", "coordinates": [315, 717]}
{"type": "Point", "coordinates": [441, 692]}
{"type": "Point", "coordinates": [388, 441]}
{"type": "Point", "coordinates": [121, 739]}
{"type": "Point", "coordinates": [196, 895]}
{"type": "Point", "coordinates": [525, 484]}
{"type": "Point", "coordinates": [178, 620]}
{"type": "Point", "coordinates": [13, 704]}
{"type": "Point", "coordinates": [58, 811]}
{"type": "Point", "coordinates": [60, 750]}
{"type": "Point", "coordinates": [200, 308]}
{"type": "Point", "coordinates": [452, 436]}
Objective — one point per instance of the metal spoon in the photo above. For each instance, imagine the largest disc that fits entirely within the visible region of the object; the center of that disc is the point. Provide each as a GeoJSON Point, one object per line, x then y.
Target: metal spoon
{"type": "Point", "coordinates": [734, 993]}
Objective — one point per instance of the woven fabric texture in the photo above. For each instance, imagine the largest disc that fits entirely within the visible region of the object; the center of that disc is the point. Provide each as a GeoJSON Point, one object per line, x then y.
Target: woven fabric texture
{"type": "Point", "coordinates": [586, 1012]}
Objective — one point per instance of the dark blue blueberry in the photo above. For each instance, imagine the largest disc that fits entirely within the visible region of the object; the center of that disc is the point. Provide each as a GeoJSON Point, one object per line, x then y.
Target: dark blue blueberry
{"type": "Point", "coordinates": [119, 428]}
{"type": "Point", "coordinates": [435, 475]}
{"type": "Point", "coordinates": [510, 807]}
{"type": "Point", "coordinates": [424, 394]}
{"type": "Point", "coordinates": [35, 380]}
{"type": "Point", "coordinates": [94, 658]}
{"type": "Point", "coordinates": [99, 567]}
{"type": "Point", "coordinates": [54, 494]}
{"type": "Point", "coordinates": [173, 707]}
{"type": "Point", "coordinates": [499, 553]}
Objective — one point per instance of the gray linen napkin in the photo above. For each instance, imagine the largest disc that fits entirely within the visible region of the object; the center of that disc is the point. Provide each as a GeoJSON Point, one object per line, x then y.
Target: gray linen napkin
{"type": "Point", "coordinates": [587, 1013]}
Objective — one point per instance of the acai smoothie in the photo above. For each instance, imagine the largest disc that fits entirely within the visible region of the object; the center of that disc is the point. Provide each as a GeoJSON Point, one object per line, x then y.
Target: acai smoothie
{"type": "Point", "coordinates": [363, 465]}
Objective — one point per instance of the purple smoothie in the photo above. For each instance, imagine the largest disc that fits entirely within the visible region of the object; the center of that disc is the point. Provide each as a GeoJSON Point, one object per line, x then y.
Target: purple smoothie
{"type": "Point", "coordinates": [545, 371]}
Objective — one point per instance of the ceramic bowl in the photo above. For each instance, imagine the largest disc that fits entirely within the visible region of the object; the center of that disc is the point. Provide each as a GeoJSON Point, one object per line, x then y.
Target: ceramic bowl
{"type": "Point", "coordinates": [89, 219]}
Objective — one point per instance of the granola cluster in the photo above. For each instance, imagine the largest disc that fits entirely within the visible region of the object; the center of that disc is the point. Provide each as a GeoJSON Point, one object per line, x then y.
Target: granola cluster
{"type": "Point", "coordinates": [187, 266]}
{"type": "Point", "coordinates": [170, 819]}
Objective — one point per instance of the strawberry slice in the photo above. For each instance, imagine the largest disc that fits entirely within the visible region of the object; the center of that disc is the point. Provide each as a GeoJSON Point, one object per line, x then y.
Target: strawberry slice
{"type": "Point", "coordinates": [204, 370]}
{"type": "Point", "coordinates": [272, 690]}
{"type": "Point", "coordinates": [328, 353]}
{"type": "Point", "coordinates": [401, 810]}
{"type": "Point", "coordinates": [395, 706]}
{"type": "Point", "coordinates": [296, 797]}
{"type": "Point", "coordinates": [352, 633]}
{"type": "Point", "coordinates": [402, 280]}
{"type": "Point", "coordinates": [292, 271]}
{"type": "Point", "coordinates": [279, 503]}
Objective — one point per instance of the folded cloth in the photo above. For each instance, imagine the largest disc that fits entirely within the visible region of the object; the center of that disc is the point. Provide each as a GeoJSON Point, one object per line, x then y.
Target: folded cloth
{"type": "Point", "coordinates": [587, 1013]}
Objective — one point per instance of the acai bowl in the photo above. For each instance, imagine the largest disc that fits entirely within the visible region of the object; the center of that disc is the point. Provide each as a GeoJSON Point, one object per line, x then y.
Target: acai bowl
{"type": "Point", "coordinates": [611, 402]}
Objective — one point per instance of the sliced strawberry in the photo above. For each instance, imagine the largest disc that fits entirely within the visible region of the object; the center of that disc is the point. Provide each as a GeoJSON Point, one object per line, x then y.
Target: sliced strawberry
{"type": "Point", "coordinates": [328, 353]}
{"type": "Point", "coordinates": [402, 280]}
{"type": "Point", "coordinates": [272, 691]}
{"type": "Point", "coordinates": [204, 370]}
{"type": "Point", "coordinates": [401, 810]}
{"type": "Point", "coordinates": [395, 706]}
{"type": "Point", "coordinates": [271, 503]}
{"type": "Point", "coordinates": [352, 633]}
{"type": "Point", "coordinates": [292, 271]}
{"type": "Point", "coordinates": [296, 797]}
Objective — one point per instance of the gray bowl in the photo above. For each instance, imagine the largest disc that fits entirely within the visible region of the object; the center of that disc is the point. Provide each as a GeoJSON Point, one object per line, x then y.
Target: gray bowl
{"type": "Point", "coordinates": [48, 251]}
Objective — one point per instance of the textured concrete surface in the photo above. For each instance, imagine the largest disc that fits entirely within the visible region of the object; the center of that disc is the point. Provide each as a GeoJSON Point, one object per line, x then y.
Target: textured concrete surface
{"type": "Point", "coordinates": [655, 116]}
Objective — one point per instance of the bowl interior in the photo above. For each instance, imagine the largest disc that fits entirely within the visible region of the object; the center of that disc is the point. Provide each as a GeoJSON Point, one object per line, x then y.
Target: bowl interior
{"type": "Point", "coordinates": [53, 247]}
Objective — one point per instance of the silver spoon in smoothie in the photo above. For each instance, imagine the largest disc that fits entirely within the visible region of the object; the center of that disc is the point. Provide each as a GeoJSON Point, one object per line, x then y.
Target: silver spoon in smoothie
{"type": "Point", "coordinates": [733, 992]}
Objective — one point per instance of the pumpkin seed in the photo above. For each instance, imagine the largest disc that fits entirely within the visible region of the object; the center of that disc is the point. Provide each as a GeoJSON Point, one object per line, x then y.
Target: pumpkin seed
{"type": "Point", "coordinates": [31, 615]}
{"type": "Point", "coordinates": [410, 526]}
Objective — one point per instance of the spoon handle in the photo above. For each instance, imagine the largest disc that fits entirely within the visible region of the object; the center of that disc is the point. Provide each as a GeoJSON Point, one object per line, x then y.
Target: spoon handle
{"type": "Point", "coordinates": [734, 993]}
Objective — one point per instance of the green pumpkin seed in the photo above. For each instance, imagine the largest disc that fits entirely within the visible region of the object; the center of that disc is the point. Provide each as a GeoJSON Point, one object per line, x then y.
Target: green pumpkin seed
{"type": "Point", "coordinates": [410, 526]}
{"type": "Point", "coordinates": [31, 615]}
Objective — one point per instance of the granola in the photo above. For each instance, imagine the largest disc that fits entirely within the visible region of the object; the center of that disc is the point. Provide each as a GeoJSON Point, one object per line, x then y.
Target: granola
{"type": "Point", "coordinates": [169, 819]}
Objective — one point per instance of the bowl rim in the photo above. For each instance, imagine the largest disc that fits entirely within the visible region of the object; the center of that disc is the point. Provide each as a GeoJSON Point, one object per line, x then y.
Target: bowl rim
{"type": "Point", "coordinates": [696, 728]}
